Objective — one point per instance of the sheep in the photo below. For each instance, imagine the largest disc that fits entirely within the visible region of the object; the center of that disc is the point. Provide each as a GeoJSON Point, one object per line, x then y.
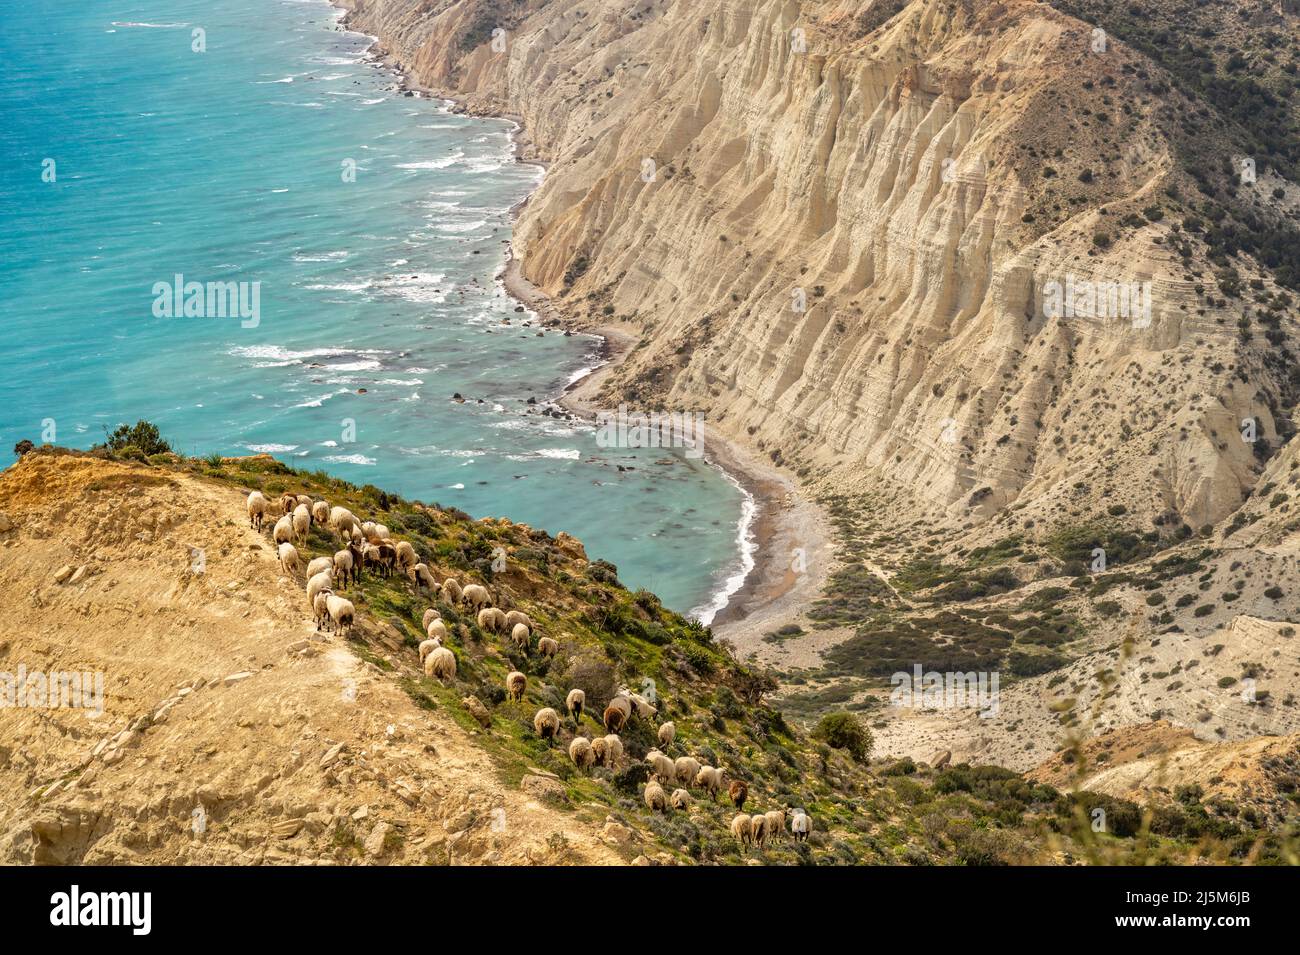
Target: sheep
{"type": "Point", "coordinates": [775, 824]}
{"type": "Point", "coordinates": [318, 564]}
{"type": "Point", "coordinates": [548, 646]}
{"type": "Point", "coordinates": [304, 500]}
{"type": "Point", "coordinates": [287, 503]}
{"type": "Point", "coordinates": [638, 704]}
{"type": "Point", "coordinates": [450, 591]}
{"type": "Point", "coordinates": [342, 613]}
{"type": "Point", "coordinates": [660, 764]}
{"type": "Point", "coordinates": [516, 683]}
{"type": "Point", "coordinates": [430, 615]}
{"type": "Point", "coordinates": [320, 607]}
{"type": "Point", "coordinates": [343, 521]}
{"type": "Point", "coordinates": [742, 828]}
{"type": "Point", "coordinates": [367, 529]}
{"type": "Point", "coordinates": [422, 578]}
{"type": "Point", "coordinates": [491, 619]}
{"type": "Point", "coordinates": [710, 780]}
{"type": "Point", "coordinates": [613, 749]}
{"type": "Point", "coordinates": [601, 750]}
{"type": "Point", "coordinates": [547, 724]}
{"type": "Point", "coordinates": [427, 647]}
{"type": "Point", "coordinates": [667, 733]}
{"type": "Point", "coordinates": [623, 705]}
{"type": "Point", "coordinates": [681, 799]}
{"type": "Point", "coordinates": [655, 797]}
{"type": "Point", "coordinates": [321, 581]}
{"type": "Point", "coordinates": [581, 753]}
{"type": "Point", "coordinates": [288, 558]}
{"type": "Point", "coordinates": [613, 718]}
{"type": "Point", "coordinates": [800, 825]}
{"type": "Point", "coordinates": [758, 828]}
{"type": "Point", "coordinates": [382, 532]}
{"type": "Point", "coordinates": [686, 767]}
{"type": "Point", "coordinates": [301, 521]}
{"type": "Point", "coordinates": [738, 792]}
{"type": "Point", "coordinates": [406, 558]}
{"type": "Point", "coordinates": [370, 556]}
{"type": "Point", "coordinates": [575, 701]}
{"type": "Point", "coordinates": [343, 566]}
{"type": "Point", "coordinates": [517, 616]}
{"type": "Point", "coordinates": [476, 595]}
{"type": "Point", "coordinates": [283, 533]}
{"type": "Point", "coordinates": [436, 630]}
{"type": "Point", "coordinates": [441, 663]}
{"type": "Point", "coordinates": [257, 508]}
{"type": "Point", "coordinates": [519, 637]}
{"type": "Point", "coordinates": [320, 513]}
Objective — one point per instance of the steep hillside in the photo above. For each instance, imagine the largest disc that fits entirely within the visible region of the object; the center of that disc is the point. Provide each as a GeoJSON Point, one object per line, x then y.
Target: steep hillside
{"type": "Point", "coordinates": [233, 731]}
{"type": "Point", "coordinates": [833, 226]}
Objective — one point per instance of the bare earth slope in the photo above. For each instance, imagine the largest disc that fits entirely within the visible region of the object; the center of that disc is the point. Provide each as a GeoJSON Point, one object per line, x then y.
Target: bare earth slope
{"type": "Point", "coordinates": [219, 697]}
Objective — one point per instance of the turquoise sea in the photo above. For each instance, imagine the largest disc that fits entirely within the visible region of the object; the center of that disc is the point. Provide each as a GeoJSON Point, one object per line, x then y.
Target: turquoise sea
{"type": "Point", "coordinates": [375, 226]}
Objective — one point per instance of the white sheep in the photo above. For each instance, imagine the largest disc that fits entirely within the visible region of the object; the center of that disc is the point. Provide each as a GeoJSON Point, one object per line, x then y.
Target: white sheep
{"type": "Point", "coordinates": [574, 702]}
{"type": "Point", "coordinates": [343, 566]}
{"type": "Point", "coordinates": [681, 799]}
{"type": "Point", "coordinates": [427, 647]}
{"type": "Point", "coordinates": [318, 564]}
{"type": "Point", "coordinates": [581, 753]}
{"type": "Point", "coordinates": [382, 532]}
{"type": "Point", "coordinates": [613, 749]}
{"type": "Point", "coordinates": [406, 558]}
{"type": "Point", "coordinates": [430, 614]}
{"type": "Point", "coordinates": [517, 616]}
{"type": "Point", "coordinates": [491, 619]}
{"type": "Point", "coordinates": [516, 683]}
{"type": "Point", "coordinates": [283, 533]}
{"type": "Point", "coordinates": [547, 724]}
{"type": "Point", "coordinates": [321, 581]}
{"type": "Point", "coordinates": [686, 768]}
{"type": "Point", "coordinates": [548, 646]}
{"type": "Point", "coordinates": [601, 750]}
{"type": "Point", "coordinates": [476, 595]}
{"type": "Point", "coordinates": [642, 706]}
{"type": "Point", "coordinates": [775, 824]}
{"type": "Point", "coordinates": [667, 733]}
{"type": "Point", "coordinates": [800, 825]}
{"type": "Point", "coordinates": [343, 521]}
{"type": "Point", "coordinates": [320, 608]}
{"type": "Point", "coordinates": [422, 577]}
{"type": "Point", "coordinates": [742, 828]}
{"type": "Point", "coordinates": [441, 663]}
{"type": "Point", "coordinates": [655, 797]}
{"type": "Point", "coordinates": [450, 591]}
{"type": "Point", "coordinates": [288, 558]}
{"type": "Point", "coordinates": [301, 521]}
{"type": "Point", "coordinates": [710, 780]}
{"type": "Point", "coordinates": [342, 613]}
{"type": "Point", "coordinates": [257, 508]}
{"type": "Point", "coordinates": [758, 828]}
{"type": "Point", "coordinates": [367, 529]}
{"type": "Point", "coordinates": [436, 629]}
{"type": "Point", "coordinates": [320, 513]}
{"type": "Point", "coordinates": [519, 637]}
{"type": "Point", "coordinates": [304, 500]}
{"type": "Point", "coordinates": [661, 765]}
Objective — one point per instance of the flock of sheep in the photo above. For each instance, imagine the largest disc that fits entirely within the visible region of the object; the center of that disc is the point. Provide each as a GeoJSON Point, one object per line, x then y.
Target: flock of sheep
{"type": "Point", "coordinates": [369, 546]}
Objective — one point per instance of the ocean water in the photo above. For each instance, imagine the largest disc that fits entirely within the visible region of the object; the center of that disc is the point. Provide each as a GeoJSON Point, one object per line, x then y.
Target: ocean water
{"type": "Point", "coordinates": [130, 158]}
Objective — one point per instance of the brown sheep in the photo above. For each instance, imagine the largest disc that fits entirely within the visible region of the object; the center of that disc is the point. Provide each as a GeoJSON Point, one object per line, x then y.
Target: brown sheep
{"type": "Point", "coordinates": [738, 792]}
{"type": "Point", "coordinates": [614, 719]}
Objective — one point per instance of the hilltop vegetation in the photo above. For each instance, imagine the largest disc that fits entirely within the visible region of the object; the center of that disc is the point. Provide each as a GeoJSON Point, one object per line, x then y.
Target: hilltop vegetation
{"type": "Point", "coordinates": [865, 809]}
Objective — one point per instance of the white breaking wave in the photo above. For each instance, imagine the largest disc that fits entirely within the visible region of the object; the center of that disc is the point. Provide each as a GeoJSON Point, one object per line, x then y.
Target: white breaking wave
{"type": "Point", "coordinates": [744, 563]}
{"type": "Point", "coordinates": [349, 459]}
{"type": "Point", "coordinates": [433, 163]}
{"type": "Point", "coordinates": [271, 448]}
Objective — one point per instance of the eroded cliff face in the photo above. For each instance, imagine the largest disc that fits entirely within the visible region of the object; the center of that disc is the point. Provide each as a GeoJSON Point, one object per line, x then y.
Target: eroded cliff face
{"type": "Point", "coordinates": [835, 226]}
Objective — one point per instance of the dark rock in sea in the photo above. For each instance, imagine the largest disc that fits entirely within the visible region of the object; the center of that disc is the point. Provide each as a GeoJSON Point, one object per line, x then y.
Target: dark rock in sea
{"type": "Point", "coordinates": [361, 391]}
{"type": "Point", "coordinates": [457, 397]}
{"type": "Point", "coordinates": [519, 308]}
{"type": "Point", "coordinates": [532, 401]}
